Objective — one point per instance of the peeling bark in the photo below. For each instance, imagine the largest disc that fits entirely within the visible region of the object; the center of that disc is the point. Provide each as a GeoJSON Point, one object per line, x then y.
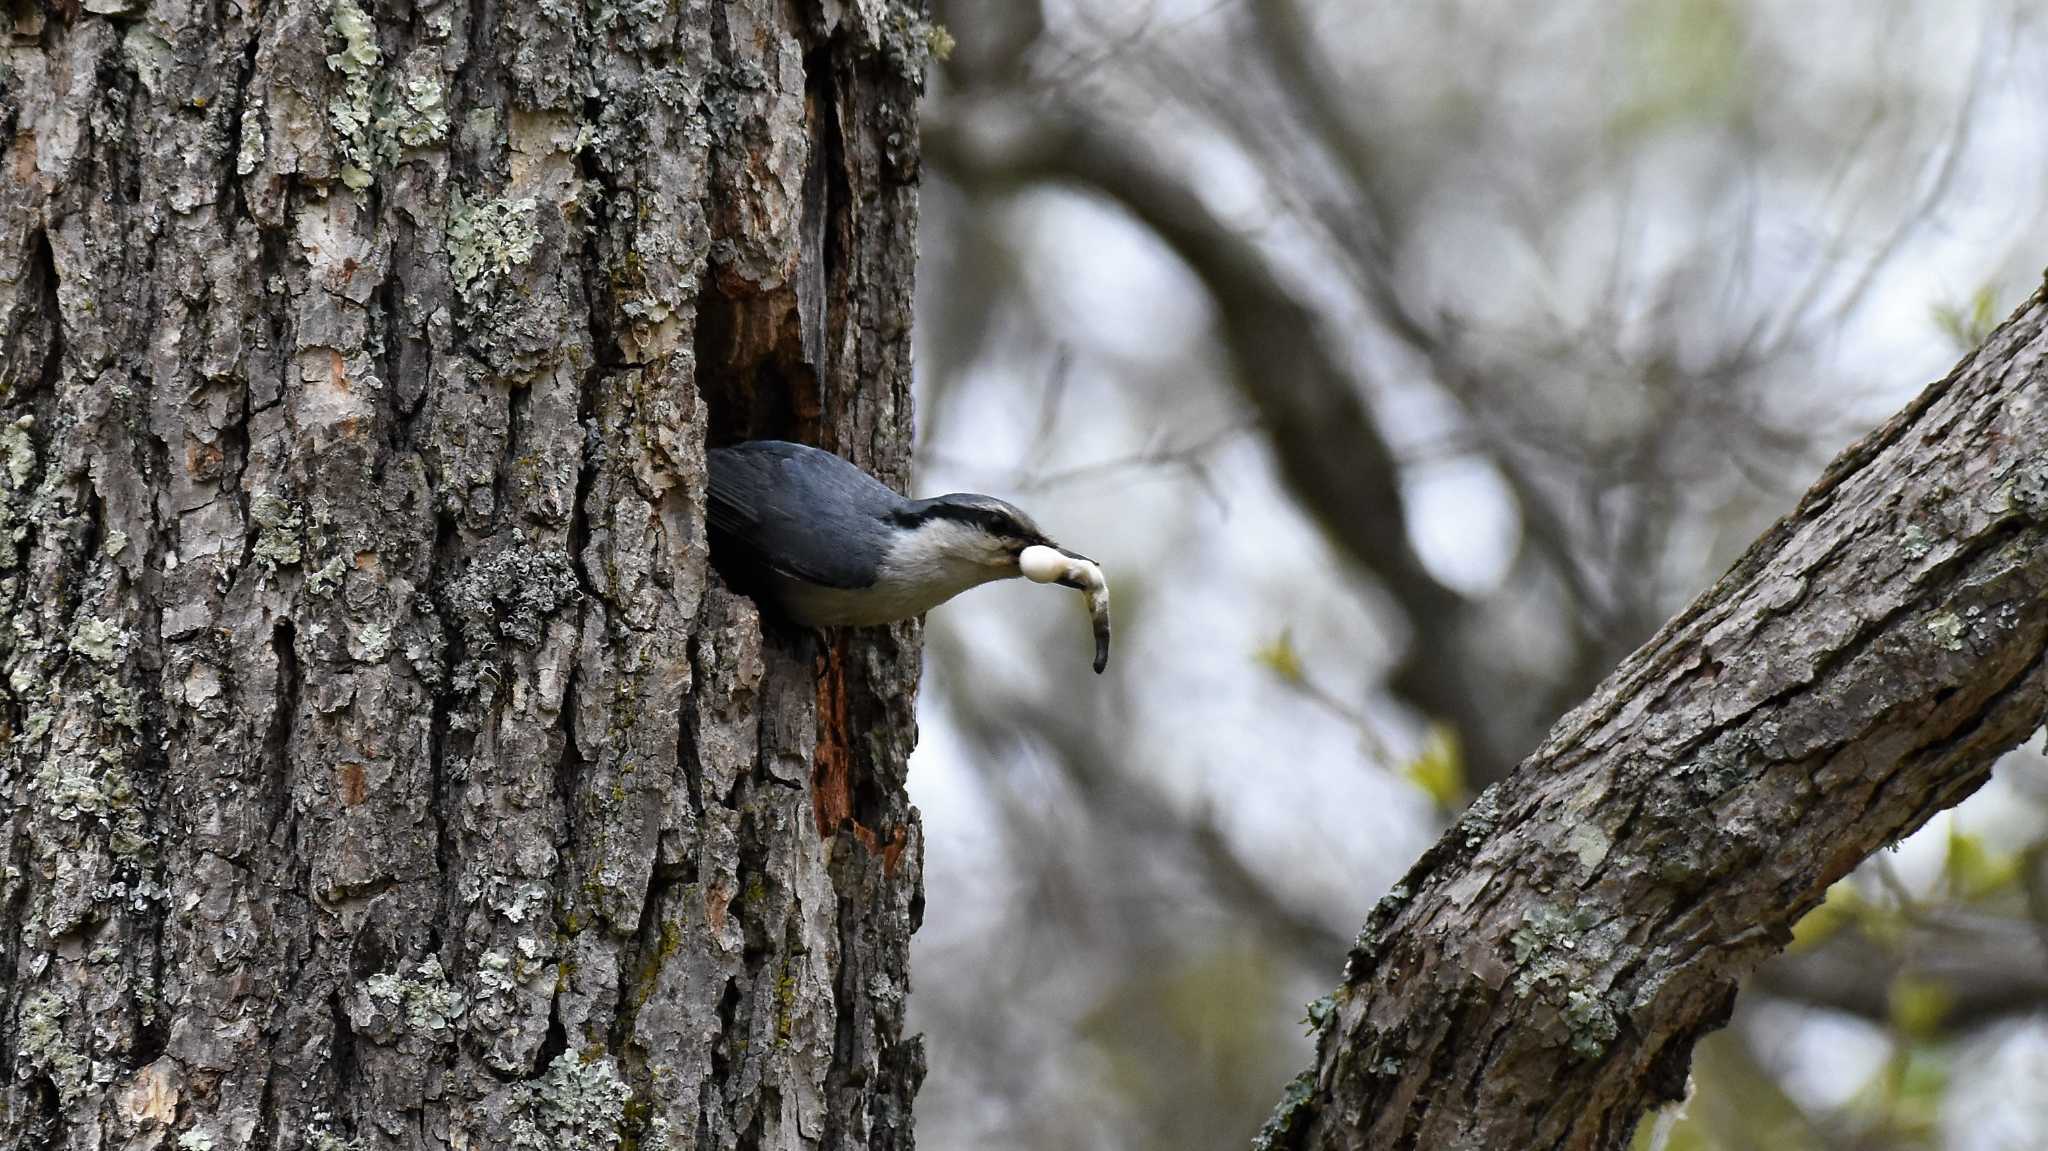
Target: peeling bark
{"type": "Point", "coordinates": [1539, 978]}
{"type": "Point", "coordinates": [385, 768]}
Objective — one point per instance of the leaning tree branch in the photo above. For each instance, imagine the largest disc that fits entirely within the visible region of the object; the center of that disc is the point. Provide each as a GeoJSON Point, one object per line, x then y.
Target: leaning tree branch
{"type": "Point", "coordinates": [1541, 975]}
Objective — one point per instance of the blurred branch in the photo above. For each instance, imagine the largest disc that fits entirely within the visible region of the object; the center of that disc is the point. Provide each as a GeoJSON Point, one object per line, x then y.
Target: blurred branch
{"type": "Point", "coordinates": [1190, 459]}
{"type": "Point", "coordinates": [1051, 400]}
{"type": "Point", "coordinates": [1331, 453]}
{"type": "Point", "coordinates": [1113, 48]}
{"type": "Point", "coordinates": [1361, 182]}
{"type": "Point", "coordinates": [1363, 221]}
{"type": "Point", "coordinates": [1986, 969]}
{"type": "Point", "coordinates": [1133, 811]}
{"type": "Point", "coordinates": [1794, 317]}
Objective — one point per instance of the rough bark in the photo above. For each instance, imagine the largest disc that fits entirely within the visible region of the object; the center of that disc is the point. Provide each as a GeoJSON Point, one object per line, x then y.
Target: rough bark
{"type": "Point", "coordinates": [1539, 978]}
{"type": "Point", "coordinates": [384, 767]}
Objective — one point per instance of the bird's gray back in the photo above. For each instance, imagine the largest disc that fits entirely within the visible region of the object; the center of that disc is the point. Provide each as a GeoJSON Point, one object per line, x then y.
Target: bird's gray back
{"type": "Point", "coordinates": [800, 511]}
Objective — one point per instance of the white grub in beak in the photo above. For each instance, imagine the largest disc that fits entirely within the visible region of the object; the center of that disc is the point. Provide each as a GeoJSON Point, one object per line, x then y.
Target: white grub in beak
{"type": "Point", "coordinates": [1042, 564]}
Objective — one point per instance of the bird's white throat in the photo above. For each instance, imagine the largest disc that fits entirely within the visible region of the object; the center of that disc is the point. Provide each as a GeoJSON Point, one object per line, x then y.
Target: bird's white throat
{"type": "Point", "coordinates": [941, 558]}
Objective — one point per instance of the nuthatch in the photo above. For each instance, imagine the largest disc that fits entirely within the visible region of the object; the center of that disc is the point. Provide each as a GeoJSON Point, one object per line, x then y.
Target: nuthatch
{"type": "Point", "coordinates": [827, 544]}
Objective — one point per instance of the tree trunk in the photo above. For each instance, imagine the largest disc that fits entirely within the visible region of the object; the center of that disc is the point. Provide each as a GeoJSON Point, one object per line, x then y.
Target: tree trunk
{"type": "Point", "coordinates": [386, 767]}
{"type": "Point", "coordinates": [1541, 975]}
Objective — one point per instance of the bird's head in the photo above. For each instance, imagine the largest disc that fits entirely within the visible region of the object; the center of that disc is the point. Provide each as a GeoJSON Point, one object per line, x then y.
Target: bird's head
{"type": "Point", "coordinates": [952, 542]}
{"type": "Point", "coordinates": [982, 533]}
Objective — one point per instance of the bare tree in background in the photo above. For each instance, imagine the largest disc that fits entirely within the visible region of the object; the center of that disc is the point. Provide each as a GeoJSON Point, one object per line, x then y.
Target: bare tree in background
{"type": "Point", "coordinates": [384, 769]}
{"type": "Point", "coordinates": [1632, 329]}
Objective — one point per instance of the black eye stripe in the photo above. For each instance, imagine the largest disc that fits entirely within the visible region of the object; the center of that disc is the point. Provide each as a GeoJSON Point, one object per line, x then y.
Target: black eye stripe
{"type": "Point", "coordinates": [996, 522]}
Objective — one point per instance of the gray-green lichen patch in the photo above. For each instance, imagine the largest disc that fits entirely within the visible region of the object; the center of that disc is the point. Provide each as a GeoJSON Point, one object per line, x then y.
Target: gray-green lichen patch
{"type": "Point", "coordinates": [320, 1135]}
{"type": "Point", "coordinates": [1555, 949]}
{"type": "Point", "coordinates": [1715, 769]}
{"type": "Point", "coordinates": [1948, 630]}
{"type": "Point", "coordinates": [252, 150]}
{"type": "Point", "coordinates": [1548, 930]}
{"type": "Point", "coordinates": [353, 112]}
{"type": "Point", "coordinates": [325, 1140]}
{"type": "Point", "coordinates": [17, 451]}
{"type": "Point", "coordinates": [1292, 1109]}
{"type": "Point", "coordinates": [17, 466]}
{"type": "Point", "coordinates": [99, 640]}
{"type": "Point", "coordinates": [509, 595]}
{"type": "Point", "coordinates": [512, 594]}
{"type": "Point", "coordinates": [1371, 940]}
{"type": "Point", "coordinates": [72, 790]}
{"type": "Point", "coordinates": [482, 129]}
{"type": "Point", "coordinates": [45, 1048]}
{"type": "Point", "coordinates": [369, 643]}
{"type": "Point", "coordinates": [419, 114]}
{"type": "Point", "coordinates": [1479, 819]}
{"type": "Point", "coordinates": [517, 902]}
{"type": "Point", "coordinates": [577, 1106]}
{"type": "Point", "coordinates": [81, 786]}
{"type": "Point", "coordinates": [326, 579]}
{"type": "Point", "coordinates": [910, 42]}
{"type": "Point", "coordinates": [1319, 1013]}
{"type": "Point", "coordinates": [486, 240]}
{"type": "Point", "coordinates": [377, 116]}
{"type": "Point", "coordinates": [632, 14]}
{"type": "Point", "coordinates": [197, 1139]}
{"type": "Point", "coordinates": [1590, 1023]}
{"type": "Point", "coordinates": [494, 973]}
{"type": "Point", "coordinates": [36, 727]}
{"type": "Point", "coordinates": [101, 646]}
{"type": "Point", "coordinates": [279, 523]}
{"type": "Point", "coordinates": [1589, 844]}
{"type": "Point", "coordinates": [424, 1004]}
{"type": "Point", "coordinates": [2025, 490]}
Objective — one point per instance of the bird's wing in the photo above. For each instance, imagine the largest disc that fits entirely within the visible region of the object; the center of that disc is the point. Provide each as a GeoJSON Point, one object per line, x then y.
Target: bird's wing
{"type": "Point", "coordinates": [799, 511]}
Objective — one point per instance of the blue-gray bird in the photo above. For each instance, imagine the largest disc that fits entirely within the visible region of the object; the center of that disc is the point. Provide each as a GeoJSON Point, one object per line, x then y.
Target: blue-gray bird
{"type": "Point", "coordinates": [824, 544]}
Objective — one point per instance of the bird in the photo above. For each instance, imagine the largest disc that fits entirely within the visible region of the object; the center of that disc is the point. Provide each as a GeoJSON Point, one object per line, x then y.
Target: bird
{"type": "Point", "coordinates": [824, 544]}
